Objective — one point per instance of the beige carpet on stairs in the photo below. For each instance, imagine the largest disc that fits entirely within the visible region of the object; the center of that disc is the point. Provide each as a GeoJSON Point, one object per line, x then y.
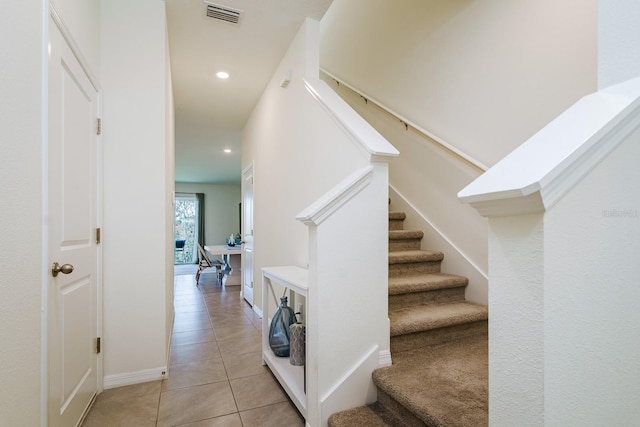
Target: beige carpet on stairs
{"type": "Point", "coordinates": [443, 385]}
{"type": "Point", "coordinates": [439, 345]}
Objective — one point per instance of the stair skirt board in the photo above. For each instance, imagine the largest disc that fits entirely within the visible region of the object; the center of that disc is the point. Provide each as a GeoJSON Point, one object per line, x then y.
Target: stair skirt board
{"type": "Point", "coordinates": [138, 377]}
{"type": "Point", "coordinates": [341, 397]}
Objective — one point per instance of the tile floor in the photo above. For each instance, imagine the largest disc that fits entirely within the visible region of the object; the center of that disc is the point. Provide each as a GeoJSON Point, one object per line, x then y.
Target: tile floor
{"type": "Point", "coordinates": [216, 377]}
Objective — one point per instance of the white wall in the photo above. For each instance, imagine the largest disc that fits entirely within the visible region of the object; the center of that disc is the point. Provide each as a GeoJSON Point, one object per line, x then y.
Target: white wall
{"type": "Point", "coordinates": [292, 142]}
{"type": "Point", "coordinates": [482, 75]}
{"type": "Point", "coordinates": [591, 294]}
{"type": "Point", "coordinates": [220, 209]}
{"type": "Point", "coordinates": [428, 177]}
{"type": "Point", "coordinates": [618, 41]}
{"type": "Point", "coordinates": [21, 224]}
{"type": "Point", "coordinates": [516, 323]}
{"type": "Point", "coordinates": [137, 189]}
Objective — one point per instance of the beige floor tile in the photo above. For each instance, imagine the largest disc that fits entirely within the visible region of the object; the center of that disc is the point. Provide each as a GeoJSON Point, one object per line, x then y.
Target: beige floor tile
{"type": "Point", "coordinates": [195, 373]}
{"type": "Point", "coordinates": [225, 316]}
{"type": "Point", "coordinates": [187, 405]}
{"type": "Point", "coordinates": [191, 324]}
{"type": "Point", "coordinates": [215, 361]}
{"type": "Point", "coordinates": [232, 420]}
{"type": "Point", "coordinates": [190, 308]}
{"type": "Point", "coordinates": [181, 354]}
{"type": "Point", "coordinates": [191, 316]}
{"type": "Point", "coordinates": [192, 337]}
{"type": "Point", "coordinates": [235, 331]}
{"type": "Point", "coordinates": [244, 365]}
{"type": "Point", "coordinates": [240, 346]}
{"type": "Point", "coordinates": [256, 391]}
{"type": "Point", "coordinates": [280, 414]}
{"type": "Point", "coordinates": [139, 411]}
{"type": "Point", "coordinates": [130, 391]}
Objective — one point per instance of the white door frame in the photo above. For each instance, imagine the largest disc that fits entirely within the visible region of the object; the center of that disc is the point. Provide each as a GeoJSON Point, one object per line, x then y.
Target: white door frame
{"type": "Point", "coordinates": [244, 267]}
{"type": "Point", "coordinates": [46, 267]}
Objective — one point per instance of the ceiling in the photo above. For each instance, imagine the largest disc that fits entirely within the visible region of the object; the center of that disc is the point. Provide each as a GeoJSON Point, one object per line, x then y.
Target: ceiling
{"type": "Point", "coordinates": [209, 112]}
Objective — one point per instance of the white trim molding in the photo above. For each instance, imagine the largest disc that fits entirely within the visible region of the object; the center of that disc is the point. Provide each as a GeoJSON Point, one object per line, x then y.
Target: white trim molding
{"type": "Point", "coordinates": [331, 201]}
{"type": "Point", "coordinates": [536, 175]}
{"type": "Point", "coordinates": [362, 133]}
{"type": "Point", "coordinates": [130, 378]}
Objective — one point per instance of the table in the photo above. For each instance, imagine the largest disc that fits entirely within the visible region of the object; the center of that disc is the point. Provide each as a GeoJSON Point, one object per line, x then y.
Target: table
{"type": "Point", "coordinates": [231, 257]}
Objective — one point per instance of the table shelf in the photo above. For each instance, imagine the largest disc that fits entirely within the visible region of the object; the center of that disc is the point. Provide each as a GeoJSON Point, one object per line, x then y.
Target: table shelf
{"type": "Point", "coordinates": [292, 378]}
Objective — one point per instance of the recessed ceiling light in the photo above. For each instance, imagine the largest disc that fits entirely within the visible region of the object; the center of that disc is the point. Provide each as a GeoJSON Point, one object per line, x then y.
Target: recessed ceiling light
{"type": "Point", "coordinates": [222, 75]}
{"type": "Point", "coordinates": [227, 150]}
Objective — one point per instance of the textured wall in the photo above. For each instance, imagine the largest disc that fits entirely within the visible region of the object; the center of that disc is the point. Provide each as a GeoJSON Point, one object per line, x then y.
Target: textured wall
{"type": "Point", "coordinates": [618, 41]}
{"type": "Point", "coordinates": [516, 321]}
{"type": "Point", "coordinates": [21, 223]}
{"type": "Point", "coordinates": [592, 321]}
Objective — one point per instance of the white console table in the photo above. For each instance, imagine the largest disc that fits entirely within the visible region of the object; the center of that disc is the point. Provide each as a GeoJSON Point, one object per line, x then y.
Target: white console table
{"type": "Point", "coordinates": [292, 378]}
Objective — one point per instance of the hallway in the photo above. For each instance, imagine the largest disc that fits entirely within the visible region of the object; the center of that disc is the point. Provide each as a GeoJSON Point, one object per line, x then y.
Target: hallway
{"type": "Point", "coordinates": [216, 377]}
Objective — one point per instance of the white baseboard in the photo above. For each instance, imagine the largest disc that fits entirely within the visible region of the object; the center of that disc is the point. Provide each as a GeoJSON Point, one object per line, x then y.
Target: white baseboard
{"type": "Point", "coordinates": [341, 395]}
{"type": "Point", "coordinates": [384, 358]}
{"type": "Point", "coordinates": [130, 378]}
{"type": "Point", "coordinates": [257, 311]}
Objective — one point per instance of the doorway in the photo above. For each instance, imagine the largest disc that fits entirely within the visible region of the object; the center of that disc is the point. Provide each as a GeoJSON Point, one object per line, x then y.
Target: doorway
{"type": "Point", "coordinates": [247, 234]}
{"type": "Point", "coordinates": [188, 227]}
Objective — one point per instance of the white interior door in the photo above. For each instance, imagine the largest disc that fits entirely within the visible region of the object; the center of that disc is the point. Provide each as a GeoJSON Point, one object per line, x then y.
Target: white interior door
{"type": "Point", "coordinates": [247, 234]}
{"type": "Point", "coordinates": [72, 197]}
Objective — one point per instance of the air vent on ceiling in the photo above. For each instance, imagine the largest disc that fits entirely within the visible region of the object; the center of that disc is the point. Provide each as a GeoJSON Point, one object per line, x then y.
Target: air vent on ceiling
{"type": "Point", "coordinates": [222, 13]}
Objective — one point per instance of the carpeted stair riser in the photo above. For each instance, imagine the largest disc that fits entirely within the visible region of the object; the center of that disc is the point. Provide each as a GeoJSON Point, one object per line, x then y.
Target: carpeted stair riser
{"type": "Point", "coordinates": [362, 415]}
{"type": "Point", "coordinates": [396, 220]}
{"type": "Point", "coordinates": [428, 297]}
{"type": "Point", "coordinates": [425, 283]}
{"type": "Point", "coordinates": [402, 240]}
{"type": "Point", "coordinates": [398, 411]}
{"type": "Point", "coordinates": [412, 269]}
{"type": "Point", "coordinates": [444, 385]}
{"type": "Point", "coordinates": [425, 318]}
{"type": "Point", "coordinates": [433, 337]}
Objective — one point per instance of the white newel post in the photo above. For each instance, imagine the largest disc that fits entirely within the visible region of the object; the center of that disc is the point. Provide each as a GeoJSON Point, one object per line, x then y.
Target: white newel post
{"type": "Point", "coordinates": [564, 233]}
{"type": "Point", "coordinates": [347, 320]}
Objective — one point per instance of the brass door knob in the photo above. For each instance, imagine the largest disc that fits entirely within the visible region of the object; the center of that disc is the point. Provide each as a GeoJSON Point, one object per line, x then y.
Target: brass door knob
{"type": "Point", "coordinates": [64, 269]}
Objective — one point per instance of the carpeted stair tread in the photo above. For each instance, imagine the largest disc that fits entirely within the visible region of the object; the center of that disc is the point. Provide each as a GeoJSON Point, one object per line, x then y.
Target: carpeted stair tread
{"type": "Point", "coordinates": [443, 385]}
{"type": "Point", "coordinates": [425, 283]}
{"type": "Point", "coordinates": [406, 257]}
{"type": "Point", "coordinates": [423, 318]}
{"type": "Point", "coordinates": [405, 234]}
{"type": "Point", "coordinates": [370, 416]}
{"type": "Point", "coordinates": [397, 215]}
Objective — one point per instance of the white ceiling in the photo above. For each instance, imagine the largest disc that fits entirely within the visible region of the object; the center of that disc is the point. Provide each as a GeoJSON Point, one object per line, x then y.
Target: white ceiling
{"type": "Point", "coordinates": [210, 113]}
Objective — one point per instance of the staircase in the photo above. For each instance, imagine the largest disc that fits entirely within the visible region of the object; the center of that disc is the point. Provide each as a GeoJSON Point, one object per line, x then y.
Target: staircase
{"type": "Point", "coordinates": [438, 345]}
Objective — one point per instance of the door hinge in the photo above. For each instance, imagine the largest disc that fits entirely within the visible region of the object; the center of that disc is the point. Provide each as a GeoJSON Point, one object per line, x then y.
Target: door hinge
{"type": "Point", "coordinates": [98, 345]}
{"type": "Point", "coordinates": [99, 126]}
{"type": "Point", "coordinates": [98, 235]}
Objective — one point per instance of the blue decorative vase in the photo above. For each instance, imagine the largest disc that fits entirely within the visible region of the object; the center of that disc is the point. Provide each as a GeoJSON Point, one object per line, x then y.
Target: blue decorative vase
{"type": "Point", "coordinates": [279, 339]}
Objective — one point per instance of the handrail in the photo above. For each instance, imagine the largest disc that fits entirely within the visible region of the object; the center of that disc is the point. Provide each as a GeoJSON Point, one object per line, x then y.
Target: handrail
{"type": "Point", "coordinates": [481, 167]}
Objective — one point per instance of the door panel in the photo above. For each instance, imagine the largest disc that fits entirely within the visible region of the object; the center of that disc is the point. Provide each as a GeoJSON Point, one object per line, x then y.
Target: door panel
{"type": "Point", "coordinates": [247, 234]}
{"type": "Point", "coordinates": [72, 219]}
